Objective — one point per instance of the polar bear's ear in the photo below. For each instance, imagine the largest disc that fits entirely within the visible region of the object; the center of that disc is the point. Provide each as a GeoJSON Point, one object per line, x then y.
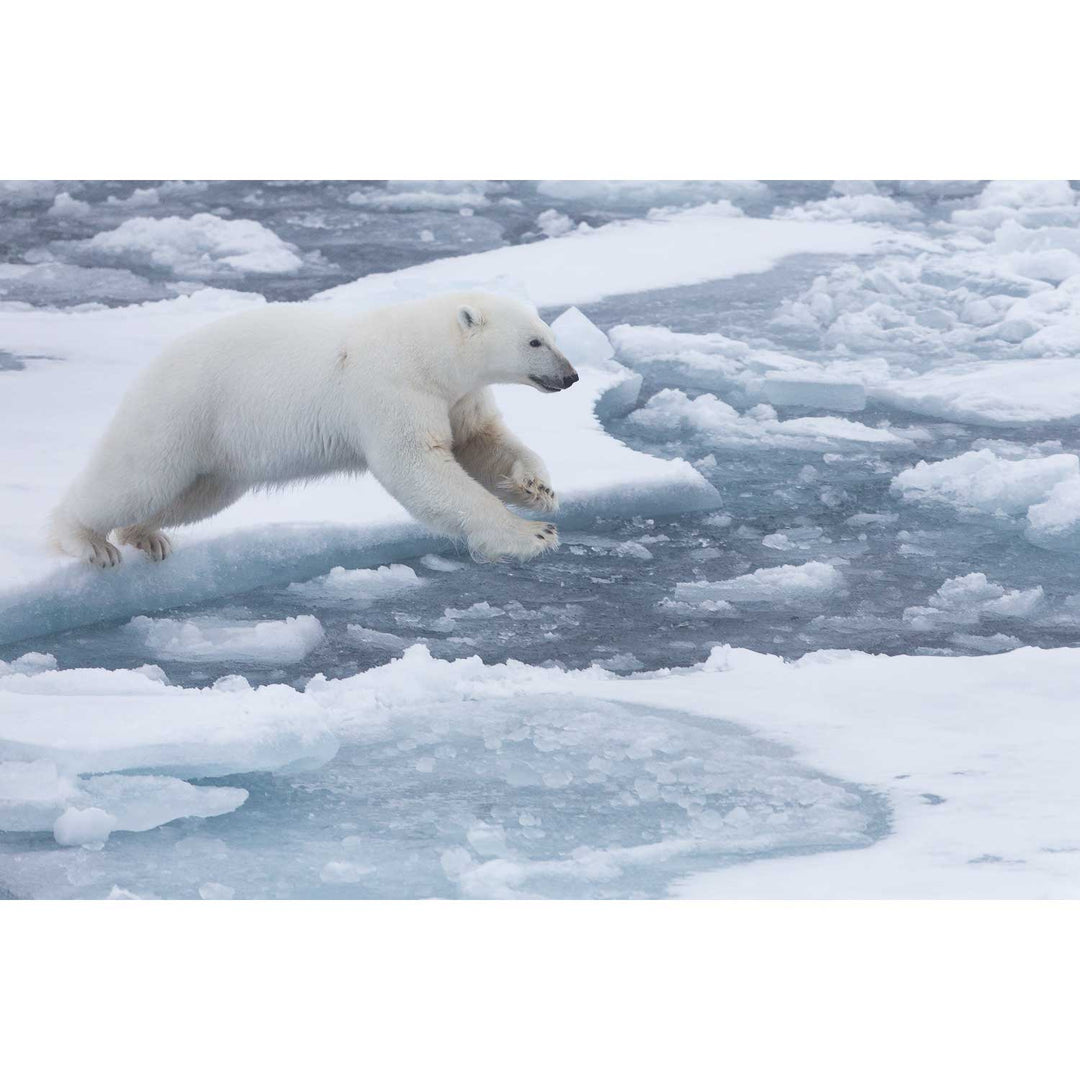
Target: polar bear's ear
{"type": "Point", "coordinates": [469, 318]}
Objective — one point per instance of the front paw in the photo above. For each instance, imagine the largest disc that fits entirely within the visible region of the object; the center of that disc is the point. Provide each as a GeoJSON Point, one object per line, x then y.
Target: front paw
{"type": "Point", "coordinates": [530, 492]}
{"type": "Point", "coordinates": [522, 540]}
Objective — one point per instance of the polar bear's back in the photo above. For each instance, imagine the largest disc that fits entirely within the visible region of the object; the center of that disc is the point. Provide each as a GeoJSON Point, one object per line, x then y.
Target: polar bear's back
{"type": "Point", "coordinates": [272, 340]}
{"type": "Point", "coordinates": [239, 390]}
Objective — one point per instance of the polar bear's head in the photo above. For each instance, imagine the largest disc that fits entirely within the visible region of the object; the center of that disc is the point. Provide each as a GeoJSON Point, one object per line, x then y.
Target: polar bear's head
{"type": "Point", "coordinates": [506, 341]}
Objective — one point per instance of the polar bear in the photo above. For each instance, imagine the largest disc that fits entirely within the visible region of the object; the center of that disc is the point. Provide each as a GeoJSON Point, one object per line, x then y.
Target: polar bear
{"type": "Point", "coordinates": [293, 391]}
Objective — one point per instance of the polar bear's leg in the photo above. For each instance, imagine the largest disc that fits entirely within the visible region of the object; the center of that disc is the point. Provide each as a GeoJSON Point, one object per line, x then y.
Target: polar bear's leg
{"type": "Point", "coordinates": [154, 544]}
{"type": "Point", "coordinates": [495, 457]}
{"type": "Point", "coordinates": [419, 469]}
{"type": "Point", "coordinates": [108, 495]}
{"type": "Point", "coordinates": [205, 496]}
{"type": "Point", "coordinates": [84, 543]}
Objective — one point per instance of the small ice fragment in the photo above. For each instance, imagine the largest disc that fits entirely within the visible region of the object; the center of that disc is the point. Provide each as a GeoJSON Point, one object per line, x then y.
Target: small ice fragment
{"type": "Point", "coordinates": [443, 566]}
{"type": "Point", "coordinates": [91, 826]}
{"type": "Point", "coordinates": [487, 839]}
{"type": "Point", "coordinates": [581, 341]}
{"type": "Point", "coordinates": [344, 873]}
{"type": "Point", "coordinates": [214, 890]}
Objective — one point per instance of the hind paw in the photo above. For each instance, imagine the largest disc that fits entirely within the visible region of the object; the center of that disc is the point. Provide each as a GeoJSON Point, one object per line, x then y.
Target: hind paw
{"type": "Point", "coordinates": [155, 545]}
{"type": "Point", "coordinates": [101, 553]}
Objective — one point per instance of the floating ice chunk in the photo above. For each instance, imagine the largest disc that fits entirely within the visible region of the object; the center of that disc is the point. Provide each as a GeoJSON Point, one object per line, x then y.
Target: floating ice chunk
{"type": "Point", "coordinates": [1041, 202]}
{"type": "Point", "coordinates": [28, 664]}
{"type": "Point", "coordinates": [1055, 522]}
{"type": "Point", "coordinates": [89, 828]}
{"type": "Point", "coordinates": [859, 520]}
{"type": "Point", "coordinates": [628, 549]}
{"type": "Point", "coordinates": [341, 872]}
{"type": "Point", "coordinates": [553, 223]}
{"type": "Point", "coordinates": [441, 565]}
{"type": "Point", "coordinates": [202, 246]}
{"type": "Point", "coordinates": [671, 412]}
{"type": "Point", "coordinates": [64, 206]}
{"type": "Point", "coordinates": [95, 721]}
{"type": "Point", "coordinates": [358, 587]}
{"type": "Point", "coordinates": [621, 662]}
{"type": "Point", "coordinates": [33, 794]}
{"type": "Point", "coordinates": [1019, 193]}
{"type": "Point", "coordinates": [58, 283]}
{"type": "Point", "coordinates": [803, 536]}
{"type": "Point", "coordinates": [642, 194]}
{"type": "Point", "coordinates": [138, 803]}
{"type": "Point", "coordinates": [855, 187]}
{"type": "Point", "coordinates": [723, 208]}
{"type": "Point", "coordinates": [866, 206]}
{"type": "Point", "coordinates": [19, 193]}
{"type": "Point", "coordinates": [993, 643]}
{"type": "Point", "coordinates": [818, 390]}
{"type": "Point", "coordinates": [402, 196]}
{"type": "Point", "coordinates": [965, 601]}
{"type": "Point", "coordinates": [482, 609]}
{"type": "Point", "coordinates": [487, 839]}
{"type": "Point", "coordinates": [786, 584]}
{"type": "Point", "coordinates": [214, 890]}
{"type": "Point", "coordinates": [376, 638]}
{"type": "Point", "coordinates": [710, 361]}
{"type": "Point", "coordinates": [282, 641]}
{"type": "Point", "coordinates": [981, 480]}
{"type": "Point", "coordinates": [836, 429]}
{"type": "Point", "coordinates": [581, 341]}
{"type": "Point", "coordinates": [117, 893]}
{"type": "Point", "coordinates": [140, 197]}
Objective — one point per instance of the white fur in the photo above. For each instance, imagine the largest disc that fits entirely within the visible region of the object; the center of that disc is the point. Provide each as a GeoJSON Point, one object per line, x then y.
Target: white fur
{"type": "Point", "coordinates": [292, 391]}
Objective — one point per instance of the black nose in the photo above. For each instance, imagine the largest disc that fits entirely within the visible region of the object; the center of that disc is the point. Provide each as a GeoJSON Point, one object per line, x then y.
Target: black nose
{"type": "Point", "coordinates": [569, 380]}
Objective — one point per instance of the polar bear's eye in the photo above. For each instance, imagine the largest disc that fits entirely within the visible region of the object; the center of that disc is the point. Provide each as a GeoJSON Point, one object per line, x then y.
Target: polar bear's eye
{"type": "Point", "coordinates": [535, 343]}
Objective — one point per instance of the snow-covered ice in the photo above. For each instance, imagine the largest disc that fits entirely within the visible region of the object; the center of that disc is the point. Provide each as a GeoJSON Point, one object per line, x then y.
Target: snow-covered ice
{"type": "Point", "coordinates": [601, 785]}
